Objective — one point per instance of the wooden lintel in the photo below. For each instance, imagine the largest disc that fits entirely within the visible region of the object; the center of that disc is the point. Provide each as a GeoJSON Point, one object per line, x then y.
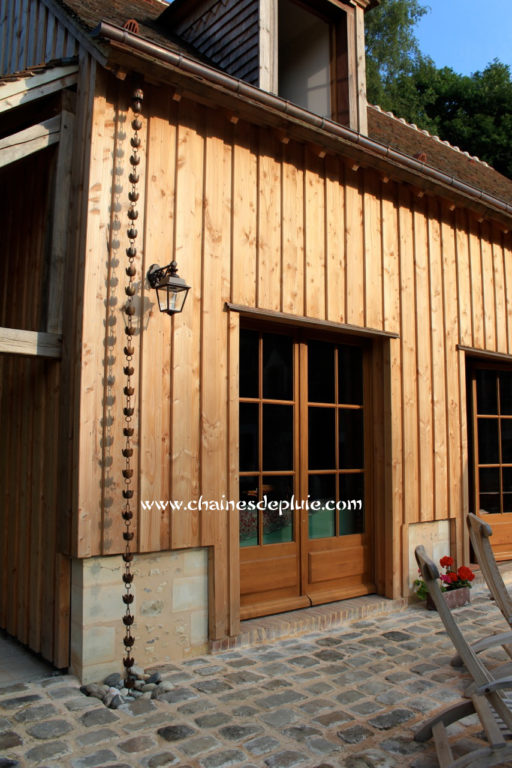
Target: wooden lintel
{"type": "Point", "coordinates": [26, 89]}
{"type": "Point", "coordinates": [30, 343]}
{"type": "Point", "coordinates": [32, 139]}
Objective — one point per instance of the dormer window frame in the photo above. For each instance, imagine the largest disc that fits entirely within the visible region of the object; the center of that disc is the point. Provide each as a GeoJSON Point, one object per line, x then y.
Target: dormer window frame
{"type": "Point", "coordinates": [347, 55]}
{"type": "Point", "coordinates": [337, 22]}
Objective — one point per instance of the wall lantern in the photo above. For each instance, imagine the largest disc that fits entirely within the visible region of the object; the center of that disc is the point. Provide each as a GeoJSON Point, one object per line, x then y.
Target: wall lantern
{"type": "Point", "coordinates": [171, 290]}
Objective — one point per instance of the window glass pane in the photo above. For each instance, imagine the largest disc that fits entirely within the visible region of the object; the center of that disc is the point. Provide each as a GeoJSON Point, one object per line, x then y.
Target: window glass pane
{"type": "Point", "coordinates": [506, 441]}
{"type": "Point", "coordinates": [488, 452]}
{"type": "Point", "coordinates": [351, 439]}
{"type": "Point", "coordinates": [320, 372]}
{"type": "Point", "coordinates": [507, 479]}
{"type": "Point", "coordinates": [249, 515]}
{"type": "Point", "coordinates": [277, 437]}
{"type": "Point", "coordinates": [507, 502]}
{"type": "Point", "coordinates": [505, 379]}
{"type": "Point", "coordinates": [351, 504]}
{"type": "Point", "coordinates": [490, 503]}
{"type": "Point", "coordinates": [350, 376]}
{"type": "Point", "coordinates": [322, 521]}
{"type": "Point", "coordinates": [321, 445]}
{"type": "Point", "coordinates": [277, 367]}
{"type": "Point", "coordinates": [489, 479]}
{"type": "Point", "coordinates": [248, 363]}
{"type": "Point", "coordinates": [486, 392]}
{"type": "Point", "coordinates": [248, 437]}
{"type": "Point", "coordinates": [277, 513]}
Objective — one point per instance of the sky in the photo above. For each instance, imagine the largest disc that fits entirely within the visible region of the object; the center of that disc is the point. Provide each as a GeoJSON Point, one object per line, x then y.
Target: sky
{"type": "Point", "coordinates": [466, 35]}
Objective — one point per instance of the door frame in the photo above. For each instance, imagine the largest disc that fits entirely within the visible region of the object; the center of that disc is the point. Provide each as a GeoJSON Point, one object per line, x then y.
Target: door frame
{"type": "Point", "coordinates": [301, 336]}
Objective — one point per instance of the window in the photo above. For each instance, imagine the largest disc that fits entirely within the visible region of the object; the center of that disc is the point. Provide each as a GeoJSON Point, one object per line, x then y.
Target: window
{"type": "Point", "coordinates": [301, 435]}
{"type": "Point", "coordinates": [312, 59]}
{"type": "Point", "coordinates": [491, 399]}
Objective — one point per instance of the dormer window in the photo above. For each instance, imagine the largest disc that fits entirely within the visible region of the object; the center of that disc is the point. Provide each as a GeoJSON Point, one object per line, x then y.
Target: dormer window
{"type": "Point", "coordinates": [319, 60]}
{"type": "Point", "coordinates": [305, 62]}
{"type": "Point", "coordinates": [310, 52]}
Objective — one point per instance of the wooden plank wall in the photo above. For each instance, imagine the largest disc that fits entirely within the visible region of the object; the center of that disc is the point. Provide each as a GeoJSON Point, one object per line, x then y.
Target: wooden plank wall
{"type": "Point", "coordinates": [270, 224]}
{"type": "Point", "coordinates": [227, 34]}
{"type": "Point", "coordinates": [30, 34]}
{"type": "Point", "coordinates": [29, 413]}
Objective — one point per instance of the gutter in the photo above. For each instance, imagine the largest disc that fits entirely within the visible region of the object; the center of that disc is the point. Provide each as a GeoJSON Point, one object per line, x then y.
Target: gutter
{"type": "Point", "coordinates": [287, 109]}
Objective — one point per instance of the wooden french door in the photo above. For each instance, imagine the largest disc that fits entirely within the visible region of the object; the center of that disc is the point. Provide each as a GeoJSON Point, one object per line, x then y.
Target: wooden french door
{"type": "Point", "coordinates": [491, 430]}
{"type": "Point", "coordinates": [305, 520]}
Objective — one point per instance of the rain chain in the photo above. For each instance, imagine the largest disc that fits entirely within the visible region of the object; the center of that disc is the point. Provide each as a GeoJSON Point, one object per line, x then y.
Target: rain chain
{"type": "Point", "coordinates": [128, 410]}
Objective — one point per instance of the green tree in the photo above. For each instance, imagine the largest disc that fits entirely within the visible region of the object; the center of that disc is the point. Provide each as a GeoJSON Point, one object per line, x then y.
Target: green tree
{"type": "Point", "coordinates": [391, 47]}
{"type": "Point", "coordinates": [472, 112]}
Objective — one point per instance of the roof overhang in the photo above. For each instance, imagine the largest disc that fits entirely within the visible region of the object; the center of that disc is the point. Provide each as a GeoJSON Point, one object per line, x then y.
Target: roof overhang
{"type": "Point", "coordinates": [200, 81]}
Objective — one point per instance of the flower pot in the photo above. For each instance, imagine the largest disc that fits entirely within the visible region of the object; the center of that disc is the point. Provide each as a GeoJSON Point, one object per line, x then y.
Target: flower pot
{"type": "Point", "coordinates": [454, 598]}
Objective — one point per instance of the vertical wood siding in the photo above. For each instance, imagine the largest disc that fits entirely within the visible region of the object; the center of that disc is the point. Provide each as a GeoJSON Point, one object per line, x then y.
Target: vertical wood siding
{"type": "Point", "coordinates": [32, 35]}
{"type": "Point", "coordinates": [29, 415]}
{"type": "Point", "coordinates": [268, 224]}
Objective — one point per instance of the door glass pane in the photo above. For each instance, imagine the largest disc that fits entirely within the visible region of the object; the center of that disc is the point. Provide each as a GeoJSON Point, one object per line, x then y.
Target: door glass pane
{"type": "Point", "coordinates": [488, 452]}
{"type": "Point", "coordinates": [486, 391]}
{"type": "Point", "coordinates": [321, 518]}
{"type": "Point", "coordinates": [321, 445]}
{"type": "Point", "coordinates": [507, 479]}
{"type": "Point", "coordinates": [320, 372]}
{"type": "Point", "coordinates": [506, 441]}
{"type": "Point", "coordinates": [505, 392]}
{"type": "Point", "coordinates": [276, 508]}
{"type": "Point", "coordinates": [249, 515]}
{"type": "Point", "coordinates": [249, 342]}
{"type": "Point", "coordinates": [489, 479]}
{"type": "Point", "coordinates": [490, 503]}
{"type": "Point", "coordinates": [249, 437]}
{"type": "Point", "coordinates": [277, 437]}
{"type": "Point", "coordinates": [351, 442]}
{"type": "Point", "coordinates": [351, 504]}
{"type": "Point", "coordinates": [350, 375]}
{"type": "Point", "coordinates": [277, 367]}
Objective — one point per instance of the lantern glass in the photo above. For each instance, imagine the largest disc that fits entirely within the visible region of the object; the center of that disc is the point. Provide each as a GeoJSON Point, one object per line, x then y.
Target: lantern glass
{"type": "Point", "coordinates": [172, 293]}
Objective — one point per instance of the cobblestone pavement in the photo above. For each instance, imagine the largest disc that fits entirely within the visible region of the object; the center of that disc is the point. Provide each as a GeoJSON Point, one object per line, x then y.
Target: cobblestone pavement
{"type": "Point", "coordinates": [350, 697]}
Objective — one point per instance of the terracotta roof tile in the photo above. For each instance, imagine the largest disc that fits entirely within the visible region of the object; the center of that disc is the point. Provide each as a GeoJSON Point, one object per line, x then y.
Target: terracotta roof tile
{"type": "Point", "coordinates": [89, 13]}
{"type": "Point", "coordinates": [395, 132]}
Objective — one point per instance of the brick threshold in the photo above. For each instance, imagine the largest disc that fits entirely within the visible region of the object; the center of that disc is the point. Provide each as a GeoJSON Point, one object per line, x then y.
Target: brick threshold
{"type": "Point", "coordinates": [316, 618]}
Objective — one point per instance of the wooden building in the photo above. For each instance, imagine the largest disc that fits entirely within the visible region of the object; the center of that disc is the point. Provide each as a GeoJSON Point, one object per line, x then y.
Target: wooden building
{"type": "Point", "coordinates": [338, 385]}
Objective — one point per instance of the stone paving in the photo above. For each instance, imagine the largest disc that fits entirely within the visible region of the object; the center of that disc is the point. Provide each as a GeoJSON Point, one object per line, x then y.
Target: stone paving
{"type": "Point", "coordinates": [350, 697]}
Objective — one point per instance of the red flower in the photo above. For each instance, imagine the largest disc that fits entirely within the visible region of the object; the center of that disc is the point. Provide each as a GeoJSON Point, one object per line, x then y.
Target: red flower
{"type": "Point", "coordinates": [465, 574]}
{"type": "Point", "coordinates": [446, 561]}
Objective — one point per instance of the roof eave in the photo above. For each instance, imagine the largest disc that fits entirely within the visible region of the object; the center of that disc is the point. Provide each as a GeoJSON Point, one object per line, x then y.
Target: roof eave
{"type": "Point", "coordinates": [382, 156]}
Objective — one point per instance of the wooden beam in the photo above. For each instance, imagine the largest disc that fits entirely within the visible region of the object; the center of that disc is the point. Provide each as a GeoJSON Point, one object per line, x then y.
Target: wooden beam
{"type": "Point", "coordinates": [30, 343]}
{"type": "Point", "coordinates": [60, 224]}
{"type": "Point", "coordinates": [26, 89]}
{"type": "Point", "coordinates": [32, 139]}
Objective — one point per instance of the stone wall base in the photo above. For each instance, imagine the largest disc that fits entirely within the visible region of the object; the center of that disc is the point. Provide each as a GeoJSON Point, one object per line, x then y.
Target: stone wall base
{"type": "Point", "coordinates": [170, 610]}
{"type": "Point", "coordinates": [435, 537]}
